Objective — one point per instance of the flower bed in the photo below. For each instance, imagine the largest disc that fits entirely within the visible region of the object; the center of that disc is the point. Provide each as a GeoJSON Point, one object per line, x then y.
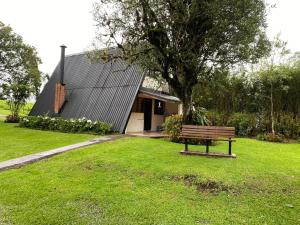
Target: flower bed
{"type": "Point", "coordinates": [82, 125]}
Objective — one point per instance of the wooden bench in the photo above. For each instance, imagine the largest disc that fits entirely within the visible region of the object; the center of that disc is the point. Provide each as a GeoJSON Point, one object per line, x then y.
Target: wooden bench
{"type": "Point", "coordinates": [207, 133]}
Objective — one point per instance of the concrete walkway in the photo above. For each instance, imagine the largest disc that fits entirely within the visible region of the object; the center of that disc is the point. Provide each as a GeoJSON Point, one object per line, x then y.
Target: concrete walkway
{"type": "Point", "coordinates": [19, 162]}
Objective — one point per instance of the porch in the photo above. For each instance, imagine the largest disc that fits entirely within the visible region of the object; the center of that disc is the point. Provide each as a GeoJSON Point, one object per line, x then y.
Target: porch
{"type": "Point", "coordinates": [149, 134]}
{"type": "Point", "coordinates": [149, 112]}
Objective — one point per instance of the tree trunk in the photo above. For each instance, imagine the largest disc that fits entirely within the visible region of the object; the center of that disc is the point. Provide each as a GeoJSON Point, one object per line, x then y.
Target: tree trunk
{"type": "Point", "coordinates": [272, 110]}
{"type": "Point", "coordinates": [187, 108]}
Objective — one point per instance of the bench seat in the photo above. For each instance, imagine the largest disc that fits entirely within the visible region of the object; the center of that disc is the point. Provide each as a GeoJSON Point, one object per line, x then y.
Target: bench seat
{"type": "Point", "coordinates": [207, 133]}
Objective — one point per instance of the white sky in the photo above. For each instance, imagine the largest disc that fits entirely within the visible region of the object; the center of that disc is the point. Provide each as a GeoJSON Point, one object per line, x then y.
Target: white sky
{"type": "Point", "coordinates": [46, 24]}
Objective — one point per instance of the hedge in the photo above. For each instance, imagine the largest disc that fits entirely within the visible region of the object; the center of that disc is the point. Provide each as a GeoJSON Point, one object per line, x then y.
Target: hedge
{"type": "Point", "coordinates": [82, 125]}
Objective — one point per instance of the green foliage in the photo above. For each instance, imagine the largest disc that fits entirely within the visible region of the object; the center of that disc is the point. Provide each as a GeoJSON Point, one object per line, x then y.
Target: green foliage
{"type": "Point", "coordinates": [173, 124]}
{"type": "Point", "coordinates": [271, 137]}
{"type": "Point", "coordinates": [172, 127]}
{"type": "Point", "coordinates": [226, 94]}
{"type": "Point", "coordinates": [287, 126]}
{"type": "Point", "coordinates": [217, 119]}
{"type": "Point", "coordinates": [69, 126]}
{"type": "Point", "coordinates": [19, 74]}
{"type": "Point", "coordinates": [245, 124]}
{"type": "Point", "coordinates": [250, 124]}
{"type": "Point", "coordinates": [199, 117]}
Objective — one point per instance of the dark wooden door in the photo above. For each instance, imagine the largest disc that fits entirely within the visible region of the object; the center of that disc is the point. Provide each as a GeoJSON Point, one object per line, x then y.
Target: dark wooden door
{"type": "Point", "coordinates": [147, 114]}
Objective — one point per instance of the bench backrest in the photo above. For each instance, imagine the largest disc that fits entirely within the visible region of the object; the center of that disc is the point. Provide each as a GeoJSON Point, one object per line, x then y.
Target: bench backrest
{"type": "Point", "coordinates": [209, 132]}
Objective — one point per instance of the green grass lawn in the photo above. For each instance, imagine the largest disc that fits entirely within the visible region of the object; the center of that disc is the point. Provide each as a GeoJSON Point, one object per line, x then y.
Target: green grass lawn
{"type": "Point", "coordinates": [146, 181]}
{"type": "Point", "coordinates": [4, 109]}
{"type": "Point", "coordinates": [16, 142]}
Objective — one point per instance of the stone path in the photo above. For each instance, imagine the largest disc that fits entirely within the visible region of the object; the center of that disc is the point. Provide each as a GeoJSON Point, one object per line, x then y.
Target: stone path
{"type": "Point", "coordinates": [19, 162]}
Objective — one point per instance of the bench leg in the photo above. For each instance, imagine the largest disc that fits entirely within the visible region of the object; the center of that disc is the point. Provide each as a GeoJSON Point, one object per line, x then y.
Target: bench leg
{"type": "Point", "coordinates": [186, 145]}
{"type": "Point", "coordinates": [229, 151]}
{"type": "Point", "coordinates": [207, 146]}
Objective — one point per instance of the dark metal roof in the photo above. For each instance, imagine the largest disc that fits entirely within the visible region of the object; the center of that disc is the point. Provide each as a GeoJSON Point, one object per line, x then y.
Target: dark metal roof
{"type": "Point", "coordinates": [159, 95]}
{"type": "Point", "coordinates": [102, 91]}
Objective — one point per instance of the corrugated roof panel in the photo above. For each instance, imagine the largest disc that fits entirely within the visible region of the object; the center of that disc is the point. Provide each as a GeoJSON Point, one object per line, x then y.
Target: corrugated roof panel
{"type": "Point", "coordinates": [106, 71]}
{"type": "Point", "coordinates": [121, 100]}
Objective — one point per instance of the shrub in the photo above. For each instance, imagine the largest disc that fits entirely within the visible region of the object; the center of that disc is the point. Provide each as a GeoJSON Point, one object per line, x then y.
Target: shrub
{"type": "Point", "coordinates": [261, 137]}
{"type": "Point", "coordinates": [288, 126]}
{"type": "Point", "coordinates": [70, 126]}
{"type": "Point", "coordinates": [173, 124]}
{"type": "Point", "coordinates": [172, 127]}
{"type": "Point", "coordinates": [245, 124]}
{"type": "Point", "coordinates": [200, 118]}
{"type": "Point", "coordinates": [12, 119]}
{"type": "Point", "coordinates": [270, 137]}
{"type": "Point", "coordinates": [217, 119]}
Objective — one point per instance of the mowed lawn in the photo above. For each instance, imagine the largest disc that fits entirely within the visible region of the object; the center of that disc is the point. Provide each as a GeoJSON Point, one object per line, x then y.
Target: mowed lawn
{"type": "Point", "coordinates": [16, 142]}
{"type": "Point", "coordinates": [4, 109]}
{"type": "Point", "coordinates": [146, 181]}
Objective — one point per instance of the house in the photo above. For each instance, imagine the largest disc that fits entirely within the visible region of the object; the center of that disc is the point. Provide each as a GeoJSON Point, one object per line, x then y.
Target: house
{"type": "Point", "coordinates": [113, 92]}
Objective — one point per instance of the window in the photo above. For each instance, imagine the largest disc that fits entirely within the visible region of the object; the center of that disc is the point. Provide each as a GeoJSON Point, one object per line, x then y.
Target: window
{"type": "Point", "coordinates": [159, 107]}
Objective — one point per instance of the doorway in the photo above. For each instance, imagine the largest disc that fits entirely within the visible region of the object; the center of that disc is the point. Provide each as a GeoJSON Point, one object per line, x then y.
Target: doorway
{"type": "Point", "coordinates": [147, 106]}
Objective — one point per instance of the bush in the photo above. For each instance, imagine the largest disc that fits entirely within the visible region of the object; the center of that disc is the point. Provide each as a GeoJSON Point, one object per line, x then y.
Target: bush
{"type": "Point", "coordinates": [217, 119]}
{"type": "Point", "coordinates": [172, 127]}
{"type": "Point", "coordinates": [270, 137]}
{"type": "Point", "coordinates": [70, 126]}
{"type": "Point", "coordinates": [12, 119]}
{"type": "Point", "coordinates": [288, 126]}
{"type": "Point", "coordinates": [200, 118]}
{"type": "Point", "coordinates": [245, 124]}
{"type": "Point", "coordinates": [173, 124]}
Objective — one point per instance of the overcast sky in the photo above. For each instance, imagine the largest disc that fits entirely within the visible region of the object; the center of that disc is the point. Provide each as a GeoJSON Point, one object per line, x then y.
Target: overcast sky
{"type": "Point", "coordinates": [47, 24]}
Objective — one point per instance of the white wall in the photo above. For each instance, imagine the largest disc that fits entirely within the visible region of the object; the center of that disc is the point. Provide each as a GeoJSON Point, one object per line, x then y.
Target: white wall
{"type": "Point", "coordinates": [157, 120]}
{"type": "Point", "coordinates": [135, 123]}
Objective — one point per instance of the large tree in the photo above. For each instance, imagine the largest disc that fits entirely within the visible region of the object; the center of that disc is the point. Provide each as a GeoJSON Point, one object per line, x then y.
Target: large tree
{"type": "Point", "coordinates": [20, 76]}
{"type": "Point", "coordinates": [183, 41]}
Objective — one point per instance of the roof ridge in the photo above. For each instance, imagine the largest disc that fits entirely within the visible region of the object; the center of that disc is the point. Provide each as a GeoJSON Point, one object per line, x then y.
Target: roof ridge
{"type": "Point", "coordinates": [87, 51]}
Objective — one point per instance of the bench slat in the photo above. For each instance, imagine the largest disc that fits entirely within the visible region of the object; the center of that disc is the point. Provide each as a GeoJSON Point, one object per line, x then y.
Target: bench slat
{"type": "Point", "coordinates": [208, 127]}
{"type": "Point", "coordinates": [209, 133]}
{"type": "Point", "coordinates": [205, 138]}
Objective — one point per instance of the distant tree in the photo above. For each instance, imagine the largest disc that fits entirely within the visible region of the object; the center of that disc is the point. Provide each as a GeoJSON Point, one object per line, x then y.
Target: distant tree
{"type": "Point", "coordinates": [273, 71]}
{"type": "Point", "coordinates": [183, 41]}
{"type": "Point", "coordinates": [19, 74]}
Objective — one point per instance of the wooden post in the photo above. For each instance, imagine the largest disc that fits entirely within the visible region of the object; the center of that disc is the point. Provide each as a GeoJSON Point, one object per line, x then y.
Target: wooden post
{"type": "Point", "coordinates": [207, 147]}
{"type": "Point", "coordinates": [186, 145]}
{"type": "Point", "coordinates": [229, 152]}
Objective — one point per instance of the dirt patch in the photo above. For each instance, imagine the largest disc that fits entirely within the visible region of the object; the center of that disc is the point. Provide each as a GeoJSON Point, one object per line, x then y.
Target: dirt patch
{"type": "Point", "coordinates": [208, 186]}
{"type": "Point", "coordinates": [202, 221]}
{"type": "Point", "coordinates": [3, 218]}
{"type": "Point", "coordinates": [90, 210]}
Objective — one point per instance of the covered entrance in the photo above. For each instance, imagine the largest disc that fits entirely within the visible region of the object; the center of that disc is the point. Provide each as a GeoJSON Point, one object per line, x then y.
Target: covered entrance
{"type": "Point", "coordinates": [149, 112]}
